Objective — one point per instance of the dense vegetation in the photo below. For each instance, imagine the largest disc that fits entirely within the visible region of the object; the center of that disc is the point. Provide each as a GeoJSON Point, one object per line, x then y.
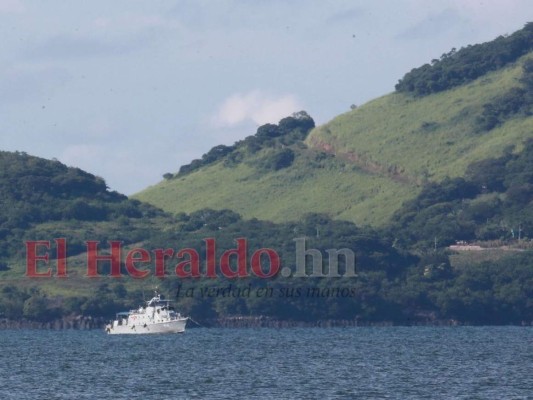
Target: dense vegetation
{"type": "Point", "coordinates": [517, 100]}
{"type": "Point", "coordinates": [475, 185]}
{"type": "Point", "coordinates": [43, 197]}
{"type": "Point", "coordinates": [392, 285]}
{"type": "Point", "coordinates": [459, 67]}
{"type": "Point", "coordinates": [34, 190]}
{"type": "Point", "coordinates": [493, 202]}
{"type": "Point", "coordinates": [289, 131]}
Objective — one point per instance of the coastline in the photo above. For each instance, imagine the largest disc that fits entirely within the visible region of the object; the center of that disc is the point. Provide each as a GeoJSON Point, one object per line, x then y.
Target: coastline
{"type": "Point", "coordinates": [76, 322]}
{"type": "Point", "coordinates": [80, 322]}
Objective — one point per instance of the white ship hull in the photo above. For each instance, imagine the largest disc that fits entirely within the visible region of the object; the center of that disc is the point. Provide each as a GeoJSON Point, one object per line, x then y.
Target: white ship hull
{"type": "Point", "coordinates": [176, 326]}
{"type": "Point", "coordinates": [157, 316]}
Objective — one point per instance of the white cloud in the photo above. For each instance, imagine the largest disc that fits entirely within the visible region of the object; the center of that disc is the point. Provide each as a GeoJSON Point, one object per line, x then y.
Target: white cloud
{"type": "Point", "coordinates": [255, 106]}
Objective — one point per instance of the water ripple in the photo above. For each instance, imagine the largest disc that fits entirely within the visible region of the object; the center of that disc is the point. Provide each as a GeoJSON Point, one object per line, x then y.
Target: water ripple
{"type": "Point", "coordinates": [333, 363]}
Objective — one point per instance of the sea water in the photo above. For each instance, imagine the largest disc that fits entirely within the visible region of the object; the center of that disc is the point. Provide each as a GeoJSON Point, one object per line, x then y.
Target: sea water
{"type": "Point", "coordinates": [307, 363]}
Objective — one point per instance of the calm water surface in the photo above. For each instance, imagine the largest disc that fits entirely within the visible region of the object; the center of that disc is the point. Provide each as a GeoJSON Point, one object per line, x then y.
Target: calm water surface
{"type": "Point", "coordinates": [335, 363]}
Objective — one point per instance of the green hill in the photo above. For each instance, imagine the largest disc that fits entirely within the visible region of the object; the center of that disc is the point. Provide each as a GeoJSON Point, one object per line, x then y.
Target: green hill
{"type": "Point", "coordinates": [364, 164]}
{"type": "Point", "coordinates": [329, 186]}
{"type": "Point", "coordinates": [430, 137]}
{"type": "Point", "coordinates": [447, 157]}
{"type": "Point", "coordinates": [44, 200]}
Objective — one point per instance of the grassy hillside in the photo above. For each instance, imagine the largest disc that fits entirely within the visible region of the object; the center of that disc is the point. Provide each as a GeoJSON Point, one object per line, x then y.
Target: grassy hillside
{"type": "Point", "coordinates": [427, 137]}
{"type": "Point", "coordinates": [331, 186]}
{"type": "Point", "coordinates": [381, 154]}
{"type": "Point", "coordinates": [447, 157]}
{"type": "Point", "coordinates": [46, 200]}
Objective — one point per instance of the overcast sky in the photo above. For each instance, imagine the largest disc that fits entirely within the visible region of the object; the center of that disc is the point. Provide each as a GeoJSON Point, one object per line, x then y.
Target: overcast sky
{"type": "Point", "coordinates": [129, 90]}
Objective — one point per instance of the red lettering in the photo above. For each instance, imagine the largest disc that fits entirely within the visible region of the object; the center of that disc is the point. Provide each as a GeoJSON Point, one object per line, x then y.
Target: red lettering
{"type": "Point", "coordinates": [160, 256]}
{"type": "Point", "coordinates": [240, 253]}
{"type": "Point", "coordinates": [61, 257]}
{"type": "Point", "coordinates": [210, 261]}
{"type": "Point", "coordinates": [273, 259]}
{"type": "Point", "coordinates": [32, 258]}
{"type": "Point", "coordinates": [193, 263]}
{"type": "Point", "coordinates": [137, 255]}
{"type": "Point", "coordinates": [93, 257]}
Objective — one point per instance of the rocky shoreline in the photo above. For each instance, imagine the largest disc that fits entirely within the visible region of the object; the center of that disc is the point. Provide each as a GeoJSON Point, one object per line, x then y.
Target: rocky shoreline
{"type": "Point", "coordinates": [80, 322]}
{"type": "Point", "coordinates": [268, 322]}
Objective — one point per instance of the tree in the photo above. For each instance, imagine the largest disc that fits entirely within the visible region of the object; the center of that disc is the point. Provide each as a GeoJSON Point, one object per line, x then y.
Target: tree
{"type": "Point", "coordinates": [35, 307]}
{"type": "Point", "coordinates": [268, 131]}
{"type": "Point", "coordinates": [300, 120]}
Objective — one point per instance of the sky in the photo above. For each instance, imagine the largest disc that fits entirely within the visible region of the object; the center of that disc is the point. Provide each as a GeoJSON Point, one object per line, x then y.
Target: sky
{"type": "Point", "coordinates": [129, 90]}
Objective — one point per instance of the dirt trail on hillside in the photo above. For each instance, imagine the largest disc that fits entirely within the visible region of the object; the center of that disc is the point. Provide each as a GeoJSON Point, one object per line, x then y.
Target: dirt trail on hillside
{"type": "Point", "coordinates": [393, 172]}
